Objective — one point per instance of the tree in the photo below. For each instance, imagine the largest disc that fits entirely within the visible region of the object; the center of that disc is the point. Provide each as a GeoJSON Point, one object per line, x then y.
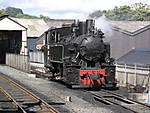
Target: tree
{"type": "Point", "coordinates": [26, 16]}
{"type": "Point", "coordinates": [18, 13]}
{"type": "Point", "coordinates": [135, 12]}
{"type": "Point", "coordinates": [2, 12]}
{"type": "Point", "coordinates": [141, 11]}
{"type": "Point", "coordinates": [11, 11]}
{"type": "Point", "coordinates": [44, 17]}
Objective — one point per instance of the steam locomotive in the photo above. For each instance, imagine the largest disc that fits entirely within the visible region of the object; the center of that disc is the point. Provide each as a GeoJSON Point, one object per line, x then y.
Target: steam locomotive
{"type": "Point", "coordinates": [78, 55]}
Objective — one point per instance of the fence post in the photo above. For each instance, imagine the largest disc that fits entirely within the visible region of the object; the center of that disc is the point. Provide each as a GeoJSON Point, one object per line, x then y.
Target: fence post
{"type": "Point", "coordinates": [135, 69]}
{"type": "Point", "coordinates": [117, 71]}
{"type": "Point", "coordinates": [126, 77]}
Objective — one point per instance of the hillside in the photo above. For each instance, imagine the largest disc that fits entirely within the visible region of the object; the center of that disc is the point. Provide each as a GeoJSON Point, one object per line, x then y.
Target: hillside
{"type": "Point", "coordinates": [18, 13]}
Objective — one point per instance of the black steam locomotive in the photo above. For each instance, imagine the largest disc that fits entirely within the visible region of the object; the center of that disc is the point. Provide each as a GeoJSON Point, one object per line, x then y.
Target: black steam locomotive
{"type": "Point", "coordinates": [78, 55]}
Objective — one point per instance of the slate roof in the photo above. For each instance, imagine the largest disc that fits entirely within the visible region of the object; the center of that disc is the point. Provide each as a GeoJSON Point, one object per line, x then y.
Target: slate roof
{"type": "Point", "coordinates": [35, 27]}
{"type": "Point", "coordinates": [130, 27]}
{"type": "Point", "coordinates": [58, 22]}
{"type": "Point", "coordinates": [137, 55]}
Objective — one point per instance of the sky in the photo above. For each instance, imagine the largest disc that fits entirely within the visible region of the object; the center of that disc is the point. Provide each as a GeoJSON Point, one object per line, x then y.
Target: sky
{"type": "Point", "coordinates": [65, 9]}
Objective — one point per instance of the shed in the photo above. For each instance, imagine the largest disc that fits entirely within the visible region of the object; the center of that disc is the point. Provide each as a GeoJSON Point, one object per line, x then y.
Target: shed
{"type": "Point", "coordinates": [36, 27]}
{"type": "Point", "coordinates": [134, 67]}
{"type": "Point", "coordinates": [13, 37]}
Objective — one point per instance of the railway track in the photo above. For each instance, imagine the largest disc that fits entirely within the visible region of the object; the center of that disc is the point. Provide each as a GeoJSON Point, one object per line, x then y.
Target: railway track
{"type": "Point", "coordinates": [116, 101]}
{"type": "Point", "coordinates": [16, 99]}
{"type": "Point", "coordinates": [7, 104]}
{"type": "Point", "coordinates": [111, 99]}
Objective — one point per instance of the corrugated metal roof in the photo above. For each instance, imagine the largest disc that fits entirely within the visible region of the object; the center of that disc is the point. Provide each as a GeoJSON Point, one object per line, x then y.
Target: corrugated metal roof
{"type": "Point", "coordinates": [35, 27]}
{"type": "Point", "coordinates": [138, 55]}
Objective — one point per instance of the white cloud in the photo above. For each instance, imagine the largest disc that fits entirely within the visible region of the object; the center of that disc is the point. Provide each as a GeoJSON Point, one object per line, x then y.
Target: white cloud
{"type": "Point", "coordinates": [67, 15]}
{"type": "Point", "coordinates": [78, 5]}
{"type": "Point", "coordinates": [67, 8]}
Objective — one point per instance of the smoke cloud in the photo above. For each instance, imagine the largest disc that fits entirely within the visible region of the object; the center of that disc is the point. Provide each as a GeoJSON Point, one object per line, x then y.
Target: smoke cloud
{"type": "Point", "coordinates": [103, 24]}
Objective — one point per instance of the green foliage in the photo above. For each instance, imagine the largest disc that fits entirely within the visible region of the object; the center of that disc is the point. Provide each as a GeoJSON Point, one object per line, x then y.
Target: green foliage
{"type": "Point", "coordinates": [2, 12]}
{"type": "Point", "coordinates": [122, 13]}
{"type": "Point", "coordinates": [44, 17]}
{"type": "Point", "coordinates": [135, 12]}
{"type": "Point", "coordinates": [18, 13]}
{"type": "Point", "coordinates": [11, 11]}
{"type": "Point", "coordinates": [141, 11]}
{"type": "Point", "coordinates": [26, 16]}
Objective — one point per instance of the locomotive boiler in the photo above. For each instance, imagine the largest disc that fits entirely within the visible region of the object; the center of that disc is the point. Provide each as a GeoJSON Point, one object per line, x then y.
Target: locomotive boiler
{"type": "Point", "coordinates": [78, 55]}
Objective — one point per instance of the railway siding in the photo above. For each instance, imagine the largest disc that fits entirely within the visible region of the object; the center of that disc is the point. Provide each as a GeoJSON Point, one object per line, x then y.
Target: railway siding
{"type": "Point", "coordinates": [119, 100]}
{"type": "Point", "coordinates": [24, 100]}
{"type": "Point", "coordinates": [6, 103]}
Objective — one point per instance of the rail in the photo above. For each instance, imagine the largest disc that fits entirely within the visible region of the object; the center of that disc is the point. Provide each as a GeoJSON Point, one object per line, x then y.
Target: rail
{"type": "Point", "coordinates": [109, 98]}
{"type": "Point", "coordinates": [24, 99]}
{"type": "Point", "coordinates": [19, 108]}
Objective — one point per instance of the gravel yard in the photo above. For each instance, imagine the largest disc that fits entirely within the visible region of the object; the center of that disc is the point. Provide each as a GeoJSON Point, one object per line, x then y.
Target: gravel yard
{"type": "Point", "coordinates": [55, 92]}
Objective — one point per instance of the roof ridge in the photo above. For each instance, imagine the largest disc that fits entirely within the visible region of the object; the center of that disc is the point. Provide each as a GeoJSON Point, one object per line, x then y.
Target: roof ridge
{"type": "Point", "coordinates": [7, 16]}
{"type": "Point", "coordinates": [131, 33]}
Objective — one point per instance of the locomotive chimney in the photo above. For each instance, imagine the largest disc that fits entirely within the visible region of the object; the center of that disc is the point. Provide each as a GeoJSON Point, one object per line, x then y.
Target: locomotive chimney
{"type": "Point", "coordinates": [82, 28]}
{"type": "Point", "coordinates": [90, 23]}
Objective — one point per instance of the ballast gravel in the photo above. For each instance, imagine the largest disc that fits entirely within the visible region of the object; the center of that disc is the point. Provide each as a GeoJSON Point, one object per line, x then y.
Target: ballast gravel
{"type": "Point", "coordinates": [55, 92]}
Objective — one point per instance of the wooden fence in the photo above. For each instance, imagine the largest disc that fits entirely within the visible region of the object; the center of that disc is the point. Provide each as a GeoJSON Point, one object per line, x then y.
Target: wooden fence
{"type": "Point", "coordinates": [18, 61]}
{"type": "Point", "coordinates": [133, 74]}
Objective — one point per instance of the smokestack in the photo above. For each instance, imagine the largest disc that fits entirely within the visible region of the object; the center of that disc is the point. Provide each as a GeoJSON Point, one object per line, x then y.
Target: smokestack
{"type": "Point", "coordinates": [82, 28]}
{"type": "Point", "coordinates": [90, 23]}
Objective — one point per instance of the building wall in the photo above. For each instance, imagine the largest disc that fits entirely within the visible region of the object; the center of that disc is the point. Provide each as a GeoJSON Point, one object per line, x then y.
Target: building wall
{"type": "Point", "coordinates": [32, 44]}
{"type": "Point", "coordinates": [122, 43]}
{"type": "Point", "coordinates": [24, 48]}
{"type": "Point", "coordinates": [142, 40]}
